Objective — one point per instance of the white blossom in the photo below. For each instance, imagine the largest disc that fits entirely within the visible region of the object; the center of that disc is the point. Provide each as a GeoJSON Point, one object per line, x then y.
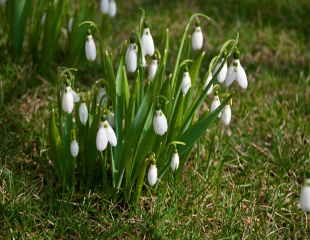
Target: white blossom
{"type": "Point", "coordinates": [147, 43]}
{"type": "Point", "coordinates": [236, 72]}
{"type": "Point", "coordinates": [74, 148]}
{"type": "Point", "coordinates": [210, 89]}
{"type": "Point", "coordinates": [70, 24]}
{"type": "Point", "coordinates": [152, 175]}
{"type": "Point", "coordinates": [110, 134]}
{"type": "Point", "coordinates": [160, 123]}
{"type": "Point", "coordinates": [226, 115]}
{"type": "Point", "coordinates": [305, 196]}
{"type": "Point", "coordinates": [90, 49]}
{"type": "Point", "coordinates": [131, 58]}
{"type": "Point", "coordinates": [215, 104]}
{"type": "Point", "coordinates": [67, 102]}
{"type": "Point", "coordinates": [83, 113]}
{"type": "Point", "coordinates": [112, 8]}
{"type": "Point", "coordinates": [152, 69]}
{"type": "Point", "coordinates": [175, 160]}
{"type": "Point", "coordinates": [101, 96]}
{"type": "Point", "coordinates": [221, 76]}
{"type": "Point", "coordinates": [104, 6]}
{"type": "Point", "coordinates": [197, 39]}
{"type": "Point", "coordinates": [101, 139]}
{"type": "Point", "coordinates": [186, 83]}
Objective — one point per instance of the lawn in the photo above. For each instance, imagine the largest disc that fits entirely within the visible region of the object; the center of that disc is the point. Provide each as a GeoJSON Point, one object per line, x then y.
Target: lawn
{"type": "Point", "coordinates": [240, 183]}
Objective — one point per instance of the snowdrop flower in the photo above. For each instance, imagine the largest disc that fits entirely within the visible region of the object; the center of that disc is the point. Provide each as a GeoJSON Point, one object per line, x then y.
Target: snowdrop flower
{"type": "Point", "coordinates": [43, 19]}
{"type": "Point", "coordinates": [147, 42]}
{"type": "Point", "coordinates": [112, 8]}
{"type": "Point", "coordinates": [152, 175]}
{"type": "Point", "coordinates": [160, 123]}
{"type": "Point", "coordinates": [221, 76]}
{"type": "Point", "coordinates": [74, 148]}
{"type": "Point", "coordinates": [67, 102]}
{"type": "Point", "coordinates": [102, 95]}
{"type": "Point", "coordinates": [105, 135]}
{"type": "Point", "coordinates": [76, 97]}
{"type": "Point", "coordinates": [152, 69]}
{"type": "Point", "coordinates": [111, 118]}
{"type": "Point", "coordinates": [175, 160]}
{"type": "Point", "coordinates": [104, 6]}
{"type": "Point", "coordinates": [2, 2]}
{"type": "Point", "coordinates": [90, 48]}
{"type": "Point", "coordinates": [215, 104]}
{"type": "Point", "coordinates": [236, 72]}
{"type": "Point", "coordinates": [305, 196]}
{"type": "Point", "coordinates": [83, 113]}
{"type": "Point", "coordinates": [197, 39]}
{"type": "Point", "coordinates": [186, 83]}
{"type": "Point", "coordinates": [209, 78]}
{"type": "Point", "coordinates": [226, 115]}
{"type": "Point", "coordinates": [131, 57]}
{"type": "Point", "coordinates": [70, 24]}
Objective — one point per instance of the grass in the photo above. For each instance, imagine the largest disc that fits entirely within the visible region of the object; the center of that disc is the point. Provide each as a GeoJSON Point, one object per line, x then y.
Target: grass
{"type": "Point", "coordinates": [259, 164]}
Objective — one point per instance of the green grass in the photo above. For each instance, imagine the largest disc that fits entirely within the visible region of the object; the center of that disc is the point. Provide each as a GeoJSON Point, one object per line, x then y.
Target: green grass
{"type": "Point", "coordinates": [258, 169]}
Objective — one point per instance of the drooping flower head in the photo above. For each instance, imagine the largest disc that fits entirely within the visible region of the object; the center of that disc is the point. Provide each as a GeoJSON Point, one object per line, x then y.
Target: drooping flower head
{"type": "Point", "coordinates": [175, 161]}
{"type": "Point", "coordinates": [67, 102]}
{"type": "Point", "coordinates": [197, 38]}
{"type": "Point", "coordinates": [112, 8]}
{"type": "Point", "coordinates": [186, 83]}
{"type": "Point", "coordinates": [131, 57]}
{"type": "Point", "coordinates": [152, 69]}
{"type": "Point", "coordinates": [160, 123]}
{"type": "Point", "coordinates": [90, 48]}
{"type": "Point", "coordinates": [83, 113]}
{"type": "Point", "coordinates": [147, 42]}
{"type": "Point", "coordinates": [305, 196]}
{"type": "Point", "coordinates": [74, 148]}
{"type": "Point", "coordinates": [226, 115]}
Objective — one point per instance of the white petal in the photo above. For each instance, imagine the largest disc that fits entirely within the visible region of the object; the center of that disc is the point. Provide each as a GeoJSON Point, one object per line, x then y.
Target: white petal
{"type": "Point", "coordinates": [67, 101]}
{"type": "Point", "coordinates": [241, 77]}
{"type": "Point", "coordinates": [305, 197]}
{"type": "Point", "coordinates": [186, 83]}
{"type": "Point", "coordinates": [215, 104]}
{"type": "Point", "coordinates": [152, 69]}
{"type": "Point", "coordinates": [104, 6]}
{"type": "Point", "coordinates": [90, 48]}
{"type": "Point", "coordinates": [160, 123]}
{"type": "Point", "coordinates": [152, 175]}
{"type": "Point", "coordinates": [226, 115]}
{"type": "Point", "coordinates": [110, 134]}
{"type": "Point", "coordinates": [101, 139]}
{"type": "Point", "coordinates": [131, 58]}
{"type": "Point", "coordinates": [101, 97]}
{"type": "Point", "coordinates": [112, 8]}
{"type": "Point", "coordinates": [175, 160]}
{"type": "Point", "coordinates": [70, 24]}
{"type": "Point", "coordinates": [83, 113]}
{"type": "Point", "coordinates": [231, 75]}
{"type": "Point", "coordinates": [74, 148]}
{"type": "Point", "coordinates": [147, 43]}
{"type": "Point", "coordinates": [76, 97]}
{"type": "Point", "coordinates": [221, 76]}
{"type": "Point", "coordinates": [210, 89]}
{"type": "Point", "coordinates": [197, 39]}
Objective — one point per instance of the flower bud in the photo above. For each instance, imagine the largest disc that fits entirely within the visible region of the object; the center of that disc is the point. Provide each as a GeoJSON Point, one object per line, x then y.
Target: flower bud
{"type": "Point", "coordinates": [305, 196]}
{"type": "Point", "coordinates": [226, 115]}
{"type": "Point", "coordinates": [152, 69]}
{"type": "Point", "coordinates": [221, 76]}
{"type": "Point", "coordinates": [131, 58]}
{"type": "Point", "coordinates": [197, 39]}
{"type": "Point", "coordinates": [210, 89]}
{"type": "Point", "coordinates": [90, 49]}
{"type": "Point", "coordinates": [110, 134]}
{"type": "Point", "coordinates": [215, 104]}
{"type": "Point", "coordinates": [101, 139]}
{"type": "Point", "coordinates": [175, 160]}
{"type": "Point", "coordinates": [67, 100]}
{"type": "Point", "coordinates": [74, 148]}
{"type": "Point", "coordinates": [147, 43]}
{"type": "Point", "coordinates": [152, 175]}
{"type": "Point", "coordinates": [186, 83]}
{"type": "Point", "coordinates": [112, 8]}
{"type": "Point", "coordinates": [104, 6]}
{"type": "Point", "coordinates": [83, 113]}
{"type": "Point", "coordinates": [160, 124]}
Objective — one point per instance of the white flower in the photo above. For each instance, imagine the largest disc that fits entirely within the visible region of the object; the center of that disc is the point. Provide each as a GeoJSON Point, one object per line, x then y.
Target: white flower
{"type": "Point", "coordinates": [101, 139]}
{"type": "Point", "coordinates": [175, 160]}
{"type": "Point", "coordinates": [226, 115]}
{"type": "Point", "coordinates": [210, 89]}
{"type": "Point", "coordinates": [160, 123]}
{"type": "Point", "coordinates": [215, 104]}
{"type": "Point", "coordinates": [2, 2]}
{"type": "Point", "coordinates": [186, 83]}
{"type": "Point", "coordinates": [90, 48]}
{"type": "Point", "coordinates": [221, 76]}
{"type": "Point", "coordinates": [102, 95]}
{"type": "Point", "coordinates": [104, 6]}
{"type": "Point", "coordinates": [110, 134]}
{"type": "Point", "coordinates": [197, 39]}
{"type": "Point", "coordinates": [131, 58]}
{"type": "Point", "coordinates": [76, 97]}
{"type": "Point", "coordinates": [152, 69]}
{"type": "Point", "coordinates": [83, 113]}
{"type": "Point", "coordinates": [105, 135]}
{"type": "Point", "coordinates": [70, 24]}
{"type": "Point", "coordinates": [305, 196]}
{"type": "Point", "coordinates": [74, 148]}
{"type": "Point", "coordinates": [43, 19]}
{"type": "Point", "coordinates": [112, 8]}
{"type": "Point", "coordinates": [111, 118]}
{"type": "Point", "coordinates": [147, 43]}
{"type": "Point", "coordinates": [236, 72]}
{"type": "Point", "coordinates": [67, 102]}
{"type": "Point", "coordinates": [152, 175]}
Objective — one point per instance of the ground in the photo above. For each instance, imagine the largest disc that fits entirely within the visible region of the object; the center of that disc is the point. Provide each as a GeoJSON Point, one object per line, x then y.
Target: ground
{"type": "Point", "coordinates": [248, 188]}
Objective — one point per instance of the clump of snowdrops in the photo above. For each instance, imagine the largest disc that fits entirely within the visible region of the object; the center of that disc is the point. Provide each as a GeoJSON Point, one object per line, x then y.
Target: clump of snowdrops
{"type": "Point", "coordinates": [141, 121]}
